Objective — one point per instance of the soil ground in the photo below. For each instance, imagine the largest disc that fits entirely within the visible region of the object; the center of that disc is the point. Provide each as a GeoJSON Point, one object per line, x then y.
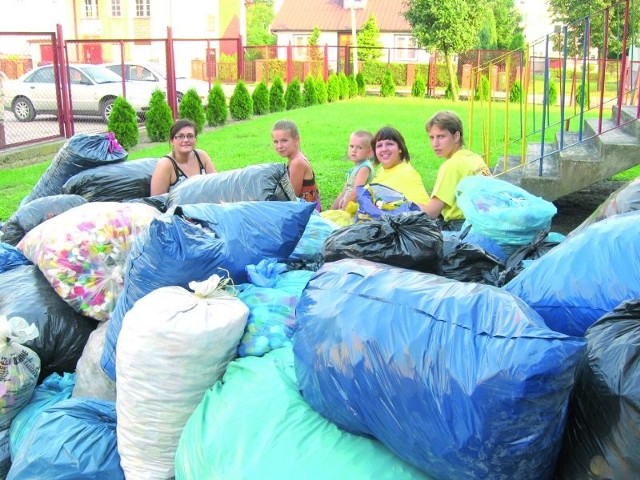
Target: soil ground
{"type": "Point", "coordinates": [574, 208]}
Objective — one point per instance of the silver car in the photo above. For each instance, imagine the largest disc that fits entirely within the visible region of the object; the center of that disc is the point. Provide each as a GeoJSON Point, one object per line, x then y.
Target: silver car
{"type": "Point", "coordinates": [94, 88]}
{"type": "Point", "coordinates": [155, 74]}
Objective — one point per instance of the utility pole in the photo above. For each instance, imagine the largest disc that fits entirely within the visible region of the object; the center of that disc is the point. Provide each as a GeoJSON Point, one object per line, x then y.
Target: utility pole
{"type": "Point", "coordinates": [354, 38]}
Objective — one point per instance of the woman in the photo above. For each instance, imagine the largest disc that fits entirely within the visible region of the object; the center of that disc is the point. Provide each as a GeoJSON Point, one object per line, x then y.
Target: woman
{"type": "Point", "coordinates": [394, 170]}
{"type": "Point", "coordinates": [183, 162]}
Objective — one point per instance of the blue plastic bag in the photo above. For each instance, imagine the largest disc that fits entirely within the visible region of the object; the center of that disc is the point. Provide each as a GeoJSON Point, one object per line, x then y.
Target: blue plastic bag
{"type": "Point", "coordinates": [502, 211]}
{"type": "Point", "coordinates": [81, 152]}
{"type": "Point", "coordinates": [200, 240]}
{"type": "Point", "coordinates": [74, 439]}
{"type": "Point", "coordinates": [585, 276]}
{"type": "Point", "coordinates": [310, 245]}
{"type": "Point", "coordinates": [375, 200]}
{"type": "Point", "coordinates": [52, 390]}
{"type": "Point", "coordinates": [459, 379]}
{"type": "Point", "coordinates": [11, 257]}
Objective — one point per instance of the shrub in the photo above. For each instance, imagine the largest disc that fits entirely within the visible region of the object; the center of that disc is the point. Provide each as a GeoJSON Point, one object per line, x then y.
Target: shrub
{"type": "Point", "coordinates": [333, 88]}
{"type": "Point", "coordinates": [448, 92]}
{"type": "Point", "coordinates": [482, 89]}
{"type": "Point", "coordinates": [240, 103]}
{"type": "Point", "coordinates": [353, 86]}
{"type": "Point", "coordinates": [293, 96]}
{"type": "Point", "coordinates": [260, 99]}
{"type": "Point", "coordinates": [579, 95]}
{"type": "Point", "coordinates": [217, 111]}
{"type": "Point", "coordinates": [419, 86]}
{"type": "Point", "coordinates": [374, 72]}
{"type": "Point", "coordinates": [159, 118]}
{"type": "Point", "coordinates": [362, 88]}
{"type": "Point", "coordinates": [321, 90]}
{"type": "Point", "coordinates": [344, 86]}
{"type": "Point", "coordinates": [388, 87]}
{"type": "Point", "coordinates": [552, 94]}
{"type": "Point", "coordinates": [276, 95]}
{"type": "Point", "coordinates": [191, 107]}
{"type": "Point", "coordinates": [309, 94]}
{"type": "Point", "coordinates": [123, 122]}
{"type": "Point", "coordinates": [515, 94]}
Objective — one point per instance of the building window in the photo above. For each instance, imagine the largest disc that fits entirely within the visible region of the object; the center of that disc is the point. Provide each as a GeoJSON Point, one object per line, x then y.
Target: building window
{"type": "Point", "coordinates": [116, 10]}
{"type": "Point", "coordinates": [300, 46]}
{"type": "Point", "coordinates": [143, 8]}
{"type": "Point", "coordinates": [405, 48]}
{"type": "Point", "coordinates": [91, 8]}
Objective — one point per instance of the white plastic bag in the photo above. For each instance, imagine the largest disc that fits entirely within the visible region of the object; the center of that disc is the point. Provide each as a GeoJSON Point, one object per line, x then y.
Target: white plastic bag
{"type": "Point", "coordinates": [19, 371]}
{"type": "Point", "coordinates": [174, 345]}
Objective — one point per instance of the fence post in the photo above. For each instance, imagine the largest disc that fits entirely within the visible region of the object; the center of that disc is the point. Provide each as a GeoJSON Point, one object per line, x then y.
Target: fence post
{"type": "Point", "coordinates": [62, 78]}
{"type": "Point", "coordinates": [171, 74]}
{"type": "Point", "coordinates": [289, 62]}
{"type": "Point", "coordinates": [240, 50]}
{"type": "Point", "coordinates": [325, 66]}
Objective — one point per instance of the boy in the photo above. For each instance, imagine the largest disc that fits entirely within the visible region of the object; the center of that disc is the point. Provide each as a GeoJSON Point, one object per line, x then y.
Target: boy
{"type": "Point", "coordinates": [359, 152]}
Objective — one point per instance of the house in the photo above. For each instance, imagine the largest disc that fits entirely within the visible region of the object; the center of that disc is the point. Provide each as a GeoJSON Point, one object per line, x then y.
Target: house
{"type": "Point", "coordinates": [295, 21]}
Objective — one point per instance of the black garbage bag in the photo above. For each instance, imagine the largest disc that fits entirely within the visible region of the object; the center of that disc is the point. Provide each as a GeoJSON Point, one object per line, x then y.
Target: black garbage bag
{"type": "Point", "coordinates": [159, 202]}
{"type": "Point", "coordinates": [471, 263]}
{"type": "Point", "coordinates": [408, 240]}
{"type": "Point", "coordinates": [265, 181]}
{"type": "Point", "coordinates": [603, 427]}
{"type": "Point", "coordinates": [114, 183]}
{"type": "Point", "coordinates": [29, 216]}
{"type": "Point", "coordinates": [81, 152]}
{"type": "Point", "coordinates": [24, 292]}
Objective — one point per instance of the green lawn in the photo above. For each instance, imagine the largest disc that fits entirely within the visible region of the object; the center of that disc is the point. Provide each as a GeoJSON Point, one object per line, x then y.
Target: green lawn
{"type": "Point", "coordinates": [324, 132]}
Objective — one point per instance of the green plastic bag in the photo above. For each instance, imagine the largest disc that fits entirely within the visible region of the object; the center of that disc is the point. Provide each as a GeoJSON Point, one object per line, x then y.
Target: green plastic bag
{"type": "Point", "coordinates": [254, 424]}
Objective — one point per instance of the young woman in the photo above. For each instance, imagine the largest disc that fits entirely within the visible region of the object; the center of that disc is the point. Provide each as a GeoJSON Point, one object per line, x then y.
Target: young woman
{"type": "Point", "coordinates": [183, 161]}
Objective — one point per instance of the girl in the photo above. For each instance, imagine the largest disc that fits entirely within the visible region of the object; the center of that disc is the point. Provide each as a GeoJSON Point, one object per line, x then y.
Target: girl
{"type": "Point", "coordinates": [286, 141]}
{"type": "Point", "coordinates": [184, 160]}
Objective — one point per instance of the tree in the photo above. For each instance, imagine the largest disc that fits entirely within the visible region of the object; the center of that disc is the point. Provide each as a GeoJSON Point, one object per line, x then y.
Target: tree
{"type": "Point", "coordinates": [123, 122]}
{"type": "Point", "coordinates": [388, 86]}
{"type": "Point", "coordinates": [419, 86]}
{"type": "Point", "coordinates": [315, 54]}
{"type": "Point", "coordinates": [368, 41]}
{"type": "Point", "coordinates": [488, 34]}
{"type": "Point", "coordinates": [293, 95]}
{"type": "Point", "coordinates": [309, 94]}
{"type": "Point", "coordinates": [259, 17]}
{"type": "Point", "coordinates": [240, 103]}
{"type": "Point", "coordinates": [191, 107]}
{"type": "Point", "coordinates": [276, 95]}
{"type": "Point", "coordinates": [449, 26]}
{"type": "Point", "coordinates": [508, 20]}
{"type": "Point", "coordinates": [362, 87]}
{"type": "Point", "coordinates": [260, 99]}
{"type": "Point", "coordinates": [321, 89]}
{"type": "Point", "coordinates": [333, 88]}
{"type": "Point", "coordinates": [158, 119]}
{"type": "Point", "coordinates": [217, 111]}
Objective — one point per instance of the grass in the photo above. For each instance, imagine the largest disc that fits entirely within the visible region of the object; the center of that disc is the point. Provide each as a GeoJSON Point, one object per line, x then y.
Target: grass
{"type": "Point", "coordinates": [324, 133]}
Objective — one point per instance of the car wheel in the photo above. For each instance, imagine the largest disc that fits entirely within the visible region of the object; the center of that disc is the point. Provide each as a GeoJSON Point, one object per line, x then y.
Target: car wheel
{"type": "Point", "coordinates": [105, 110]}
{"type": "Point", "coordinates": [179, 96]}
{"type": "Point", "coordinates": [23, 109]}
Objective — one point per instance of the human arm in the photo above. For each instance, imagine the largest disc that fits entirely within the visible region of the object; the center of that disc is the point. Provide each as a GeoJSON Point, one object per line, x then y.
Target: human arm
{"type": "Point", "coordinates": [297, 169]}
{"type": "Point", "coordinates": [433, 207]}
{"type": "Point", "coordinates": [207, 163]}
{"type": "Point", "coordinates": [161, 178]}
{"type": "Point", "coordinates": [362, 177]}
{"type": "Point", "coordinates": [337, 203]}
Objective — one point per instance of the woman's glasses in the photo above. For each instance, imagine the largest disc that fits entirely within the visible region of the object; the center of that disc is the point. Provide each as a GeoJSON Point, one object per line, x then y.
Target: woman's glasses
{"type": "Point", "coordinates": [182, 136]}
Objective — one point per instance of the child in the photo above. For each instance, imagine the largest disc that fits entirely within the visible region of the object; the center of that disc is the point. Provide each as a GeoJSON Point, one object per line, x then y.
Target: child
{"type": "Point", "coordinates": [286, 141]}
{"type": "Point", "coordinates": [445, 134]}
{"type": "Point", "coordinates": [361, 174]}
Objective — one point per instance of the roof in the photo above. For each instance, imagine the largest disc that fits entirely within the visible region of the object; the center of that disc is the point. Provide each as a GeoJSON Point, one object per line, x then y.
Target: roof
{"type": "Point", "coordinates": [330, 16]}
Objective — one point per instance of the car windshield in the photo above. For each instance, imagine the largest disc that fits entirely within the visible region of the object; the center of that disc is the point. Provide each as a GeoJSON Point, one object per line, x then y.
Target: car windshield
{"type": "Point", "coordinates": [101, 74]}
{"type": "Point", "coordinates": [157, 70]}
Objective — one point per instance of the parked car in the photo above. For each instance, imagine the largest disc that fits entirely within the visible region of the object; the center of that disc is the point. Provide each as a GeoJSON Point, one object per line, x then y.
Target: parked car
{"type": "Point", "coordinates": [155, 74]}
{"type": "Point", "coordinates": [94, 88]}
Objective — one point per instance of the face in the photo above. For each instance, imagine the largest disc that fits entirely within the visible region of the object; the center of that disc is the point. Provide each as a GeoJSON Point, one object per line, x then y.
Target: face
{"type": "Point", "coordinates": [359, 148]}
{"type": "Point", "coordinates": [184, 140]}
{"type": "Point", "coordinates": [284, 143]}
{"type": "Point", "coordinates": [388, 153]}
{"type": "Point", "coordinates": [443, 142]}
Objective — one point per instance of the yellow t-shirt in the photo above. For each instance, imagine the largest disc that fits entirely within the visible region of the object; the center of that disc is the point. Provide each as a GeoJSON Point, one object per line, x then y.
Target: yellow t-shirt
{"type": "Point", "coordinates": [462, 164]}
{"type": "Point", "coordinates": [405, 179]}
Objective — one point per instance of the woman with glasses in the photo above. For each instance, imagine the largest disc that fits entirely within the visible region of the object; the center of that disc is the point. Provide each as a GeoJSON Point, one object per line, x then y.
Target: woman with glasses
{"type": "Point", "coordinates": [183, 162]}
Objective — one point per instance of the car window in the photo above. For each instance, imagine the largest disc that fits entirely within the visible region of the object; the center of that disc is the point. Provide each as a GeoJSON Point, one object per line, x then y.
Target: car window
{"type": "Point", "coordinates": [140, 73]}
{"type": "Point", "coordinates": [43, 75]}
{"type": "Point", "coordinates": [100, 74]}
{"type": "Point", "coordinates": [76, 77]}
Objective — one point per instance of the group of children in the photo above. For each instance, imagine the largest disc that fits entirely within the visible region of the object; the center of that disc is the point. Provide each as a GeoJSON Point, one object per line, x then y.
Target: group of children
{"type": "Point", "coordinates": [384, 158]}
{"type": "Point", "coordinates": [381, 158]}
